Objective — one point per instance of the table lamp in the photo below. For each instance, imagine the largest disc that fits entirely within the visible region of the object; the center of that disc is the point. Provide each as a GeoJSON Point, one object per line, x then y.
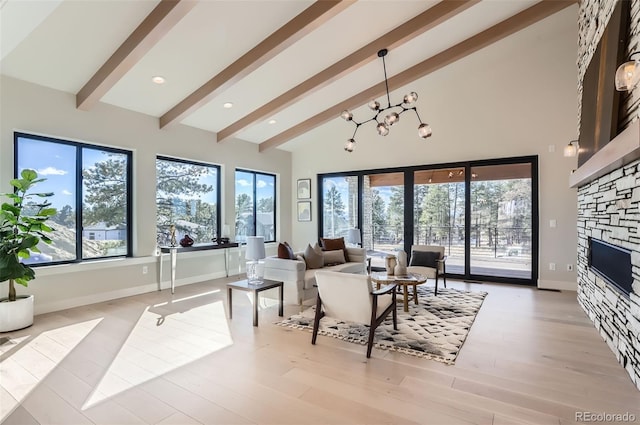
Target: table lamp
{"type": "Point", "coordinates": [253, 255]}
{"type": "Point", "coordinates": [353, 236]}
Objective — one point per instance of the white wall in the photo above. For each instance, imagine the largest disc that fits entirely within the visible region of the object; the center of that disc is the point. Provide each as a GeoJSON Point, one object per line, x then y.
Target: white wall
{"type": "Point", "coordinates": [514, 98]}
{"type": "Point", "coordinates": [39, 110]}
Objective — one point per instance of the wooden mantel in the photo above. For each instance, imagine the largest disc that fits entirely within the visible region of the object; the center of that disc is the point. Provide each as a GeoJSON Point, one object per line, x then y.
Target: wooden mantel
{"type": "Point", "coordinates": [615, 154]}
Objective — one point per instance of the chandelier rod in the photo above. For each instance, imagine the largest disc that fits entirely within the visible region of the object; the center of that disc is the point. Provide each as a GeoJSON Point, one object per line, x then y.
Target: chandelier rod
{"type": "Point", "coordinates": [382, 53]}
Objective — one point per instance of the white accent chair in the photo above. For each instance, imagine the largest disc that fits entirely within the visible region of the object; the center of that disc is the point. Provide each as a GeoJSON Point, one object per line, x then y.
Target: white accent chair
{"type": "Point", "coordinates": [432, 270]}
{"type": "Point", "coordinates": [350, 297]}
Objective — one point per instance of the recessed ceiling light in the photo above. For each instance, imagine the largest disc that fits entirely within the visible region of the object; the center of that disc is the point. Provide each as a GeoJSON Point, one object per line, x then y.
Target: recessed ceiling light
{"type": "Point", "coordinates": [228, 105]}
{"type": "Point", "coordinates": [158, 79]}
{"type": "Point", "coordinates": [272, 121]}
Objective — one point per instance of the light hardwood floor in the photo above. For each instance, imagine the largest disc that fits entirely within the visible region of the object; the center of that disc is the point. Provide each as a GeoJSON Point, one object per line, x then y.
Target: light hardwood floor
{"type": "Point", "coordinates": [532, 357]}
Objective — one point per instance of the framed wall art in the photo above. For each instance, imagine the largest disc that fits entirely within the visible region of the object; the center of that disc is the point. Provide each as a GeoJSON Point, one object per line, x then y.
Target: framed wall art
{"type": "Point", "coordinates": [304, 211]}
{"type": "Point", "coordinates": [304, 189]}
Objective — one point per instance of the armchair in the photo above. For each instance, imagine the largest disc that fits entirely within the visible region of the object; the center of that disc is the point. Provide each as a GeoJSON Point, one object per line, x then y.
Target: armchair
{"type": "Point", "coordinates": [350, 297]}
{"type": "Point", "coordinates": [429, 261]}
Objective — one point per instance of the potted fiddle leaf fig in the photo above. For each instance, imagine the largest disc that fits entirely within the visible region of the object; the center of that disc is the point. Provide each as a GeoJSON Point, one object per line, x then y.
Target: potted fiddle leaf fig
{"type": "Point", "coordinates": [22, 227]}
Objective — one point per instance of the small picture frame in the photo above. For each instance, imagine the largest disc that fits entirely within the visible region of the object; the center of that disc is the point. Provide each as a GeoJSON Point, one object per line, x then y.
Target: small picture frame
{"type": "Point", "coordinates": [304, 211]}
{"type": "Point", "coordinates": [304, 189]}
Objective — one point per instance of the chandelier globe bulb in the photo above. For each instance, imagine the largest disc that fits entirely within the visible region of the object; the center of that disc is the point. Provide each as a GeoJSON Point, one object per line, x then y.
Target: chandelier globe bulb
{"type": "Point", "coordinates": [350, 145]}
{"type": "Point", "coordinates": [383, 129]}
{"type": "Point", "coordinates": [346, 115]}
{"type": "Point", "coordinates": [424, 130]}
{"type": "Point", "coordinates": [410, 98]}
{"type": "Point", "coordinates": [391, 119]}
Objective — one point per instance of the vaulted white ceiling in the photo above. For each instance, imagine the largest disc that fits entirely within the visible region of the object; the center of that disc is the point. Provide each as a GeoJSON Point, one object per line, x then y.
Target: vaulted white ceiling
{"type": "Point", "coordinates": [61, 44]}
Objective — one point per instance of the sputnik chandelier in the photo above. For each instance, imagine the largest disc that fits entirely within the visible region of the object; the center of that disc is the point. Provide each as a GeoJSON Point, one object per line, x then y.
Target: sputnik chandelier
{"type": "Point", "coordinates": [424, 130]}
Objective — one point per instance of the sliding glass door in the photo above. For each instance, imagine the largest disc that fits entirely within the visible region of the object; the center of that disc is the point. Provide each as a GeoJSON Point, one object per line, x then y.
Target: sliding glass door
{"type": "Point", "coordinates": [438, 213]}
{"type": "Point", "coordinates": [501, 218]}
{"type": "Point", "coordinates": [383, 215]}
{"type": "Point", "coordinates": [483, 212]}
{"type": "Point", "coordinates": [339, 205]}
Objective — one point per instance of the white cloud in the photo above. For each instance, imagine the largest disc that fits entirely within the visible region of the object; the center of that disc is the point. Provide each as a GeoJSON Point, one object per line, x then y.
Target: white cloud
{"type": "Point", "coordinates": [243, 182]}
{"type": "Point", "coordinates": [51, 171]}
{"type": "Point", "coordinates": [261, 184]}
{"type": "Point", "coordinates": [66, 192]}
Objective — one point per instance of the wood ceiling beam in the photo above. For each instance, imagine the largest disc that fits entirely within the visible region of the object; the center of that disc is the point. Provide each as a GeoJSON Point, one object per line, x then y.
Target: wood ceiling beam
{"type": "Point", "coordinates": [399, 35]}
{"type": "Point", "coordinates": [155, 26]}
{"type": "Point", "coordinates": [311, 18]}
{"type": "Point", "coordinates": [497, 32]}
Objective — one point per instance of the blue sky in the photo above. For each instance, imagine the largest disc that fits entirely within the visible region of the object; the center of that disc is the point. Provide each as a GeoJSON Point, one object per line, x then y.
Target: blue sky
{"type": "Point", "coordinates": [56, 162]}
{"type": "Point", "coordinates": [264, 185]}
{"type": "Point", "coordinates": [53, 161]}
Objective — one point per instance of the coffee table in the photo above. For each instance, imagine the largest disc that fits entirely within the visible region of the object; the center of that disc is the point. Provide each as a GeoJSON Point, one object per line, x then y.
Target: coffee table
{"type": "Point", "coordinates": [255, 288]}
{"type": "Point", "coordinates": [411, 279]}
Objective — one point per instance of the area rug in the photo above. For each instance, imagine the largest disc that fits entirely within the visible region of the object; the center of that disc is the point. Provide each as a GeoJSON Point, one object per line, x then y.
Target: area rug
{"type": "Point", "coordinates": [434, 329]}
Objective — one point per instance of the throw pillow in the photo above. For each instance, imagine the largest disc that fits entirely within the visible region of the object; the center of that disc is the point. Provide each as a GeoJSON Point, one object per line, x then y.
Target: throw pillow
{"type": "Point", "coordinates": [285, 251]}
{"type": "Point", "coordinates": [333, 244]}
{"type": "Point", "coordinates": [331, 258]}
{"type": "Point", "coordinates": [424, 258]}
{"type": "Point", "coordinates": [313, 258]}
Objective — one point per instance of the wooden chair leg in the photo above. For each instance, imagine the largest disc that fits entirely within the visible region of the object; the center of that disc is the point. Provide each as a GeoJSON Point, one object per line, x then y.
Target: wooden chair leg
{"type": "Point", "coordinates": [435, 293]}
{"type": "Point", "coordinates": [444, 274]}
{"type": "Point", "coordinates": [372, 331]}
{"type": "Point", "coordinates": [316, 320]}
{"type": "Point", "coordinates": [395, 316]}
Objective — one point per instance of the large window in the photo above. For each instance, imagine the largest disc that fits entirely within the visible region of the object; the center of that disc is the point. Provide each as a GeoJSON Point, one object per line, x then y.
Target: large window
{"type": "Point", "coordinates": [187, 196]}
{"type": "Point", "coordinates": [255, 205]}
{"type": "Point", "coordinates": [92, 193]}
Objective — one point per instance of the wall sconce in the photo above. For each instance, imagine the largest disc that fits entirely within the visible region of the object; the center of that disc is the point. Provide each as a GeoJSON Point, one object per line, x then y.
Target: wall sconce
{"type": "Point", "coordinates": [571, 149]}
{"type": "Point", "coordinates": [628, 74]}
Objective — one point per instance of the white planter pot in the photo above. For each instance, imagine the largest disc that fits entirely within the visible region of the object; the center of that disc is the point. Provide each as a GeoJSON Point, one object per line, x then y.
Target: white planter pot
{"type": "Point", "coordinates": [17, 314]}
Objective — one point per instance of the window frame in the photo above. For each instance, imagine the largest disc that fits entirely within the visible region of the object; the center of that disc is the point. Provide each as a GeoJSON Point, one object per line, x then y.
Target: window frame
{"type": "Point", "coordinates": [255, 201]}
{"type": "Point", "coordinates": [199, 164]}
{"type": "Point", "coordinates": [79, 192]}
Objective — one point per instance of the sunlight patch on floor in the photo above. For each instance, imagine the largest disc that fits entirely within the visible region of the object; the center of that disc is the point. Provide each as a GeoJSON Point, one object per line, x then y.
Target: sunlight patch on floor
{"type": "Point", "coordinates": [23, 370]}
{"type": "Point", "coordinates": [166, 337]}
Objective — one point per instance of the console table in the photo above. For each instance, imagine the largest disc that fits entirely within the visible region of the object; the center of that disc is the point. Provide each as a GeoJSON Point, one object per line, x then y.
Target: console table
{"type": "Point", "coordinates": [173, 255]}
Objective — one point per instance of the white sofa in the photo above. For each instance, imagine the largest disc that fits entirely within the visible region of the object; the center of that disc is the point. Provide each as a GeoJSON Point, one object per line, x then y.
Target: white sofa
{"type": "Point", "coordinates": [299, 283]}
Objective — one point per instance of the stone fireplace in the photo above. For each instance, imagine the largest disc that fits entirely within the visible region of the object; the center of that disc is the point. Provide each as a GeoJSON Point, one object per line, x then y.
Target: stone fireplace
{"type": "Point", "coordinates": [609, 203]}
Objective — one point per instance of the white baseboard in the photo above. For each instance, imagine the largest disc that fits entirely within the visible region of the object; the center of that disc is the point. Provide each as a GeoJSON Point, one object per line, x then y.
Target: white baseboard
{"type": "Point", "coordinates": [560, 285]}
{"type": "Point", "coordinates": [44, 307]}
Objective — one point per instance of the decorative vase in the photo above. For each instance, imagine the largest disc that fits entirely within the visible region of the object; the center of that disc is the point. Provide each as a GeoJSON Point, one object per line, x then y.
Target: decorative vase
{"type": "Point", "coordinates": [402, 258]}
{"type": "Point", "coordinates": [401, 266]}
{"type": "Point", "coordinates": [186, 241]}
{"type": "Point", "coordinates": [400, 270]}
{"type": "Point", "coordinates": [172, 235]}
{"type": "Point", "coordinates": [390, 263]}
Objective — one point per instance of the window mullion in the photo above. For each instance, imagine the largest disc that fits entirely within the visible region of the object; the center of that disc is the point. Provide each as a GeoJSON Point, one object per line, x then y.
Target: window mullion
{"type": "Point", "coordinates": [79, 206]}
{"type": "Point", "coordinates": [255, 204]}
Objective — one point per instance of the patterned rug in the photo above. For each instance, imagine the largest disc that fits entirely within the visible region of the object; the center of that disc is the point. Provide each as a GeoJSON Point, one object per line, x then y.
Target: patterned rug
{"type": "Point", "coordinates": [434, 329]}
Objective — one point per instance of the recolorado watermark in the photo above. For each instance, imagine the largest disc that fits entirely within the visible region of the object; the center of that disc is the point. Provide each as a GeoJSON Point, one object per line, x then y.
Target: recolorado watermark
{"type": "Point", "coordinates": [605, 417]}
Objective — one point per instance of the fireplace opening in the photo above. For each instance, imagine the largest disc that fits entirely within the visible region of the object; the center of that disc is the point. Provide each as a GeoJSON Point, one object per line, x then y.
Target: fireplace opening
{"type": "Point", "coordinates": [612, 263]}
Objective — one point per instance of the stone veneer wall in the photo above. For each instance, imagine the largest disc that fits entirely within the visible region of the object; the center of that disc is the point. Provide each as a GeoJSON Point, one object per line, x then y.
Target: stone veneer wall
{"type": "Point", "coordinates": [609, 208]}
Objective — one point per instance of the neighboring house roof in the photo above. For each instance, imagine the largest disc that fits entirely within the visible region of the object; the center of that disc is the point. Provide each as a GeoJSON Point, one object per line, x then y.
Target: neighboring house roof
{"type": "Point", "coordinates": [101, 227]}
{"type": "Point", "coordinates": [265, 219]}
